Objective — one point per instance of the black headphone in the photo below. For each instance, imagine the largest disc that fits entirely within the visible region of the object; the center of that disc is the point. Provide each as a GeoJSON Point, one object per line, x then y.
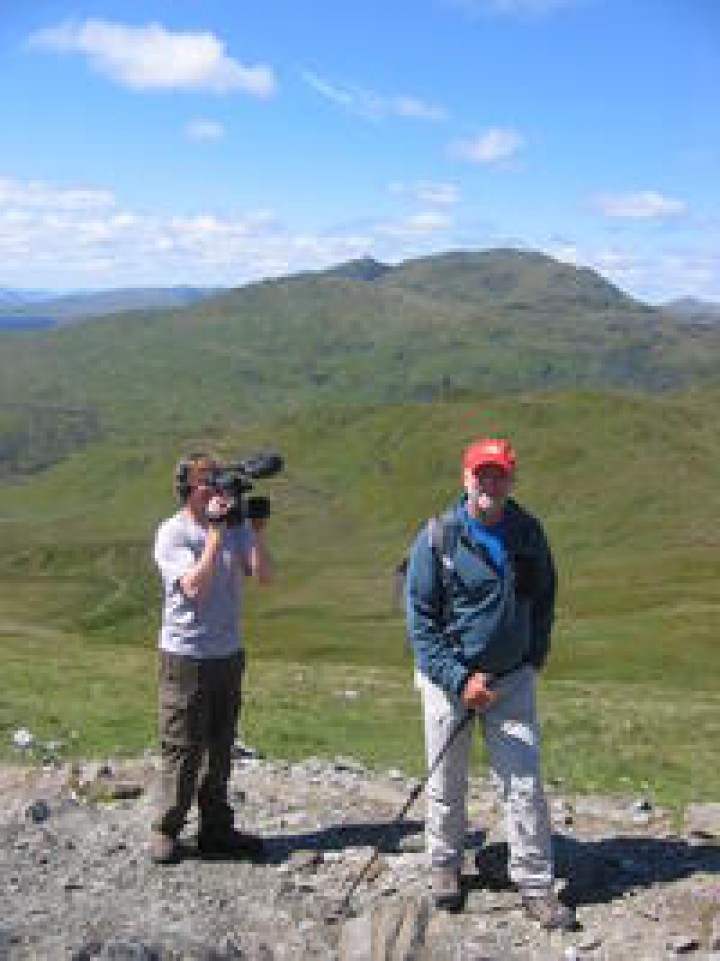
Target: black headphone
{"type": "Point", "coordinates": [183, 488]}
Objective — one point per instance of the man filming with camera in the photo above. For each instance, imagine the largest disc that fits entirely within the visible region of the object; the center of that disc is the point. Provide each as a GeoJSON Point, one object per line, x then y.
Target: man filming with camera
{"type": "Point", "coordinates": [203, 552]}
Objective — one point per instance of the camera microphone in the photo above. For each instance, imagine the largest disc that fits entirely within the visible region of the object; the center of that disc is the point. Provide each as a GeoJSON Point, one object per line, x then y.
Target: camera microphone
{"type": "Point", "coordinates": [264, 464]}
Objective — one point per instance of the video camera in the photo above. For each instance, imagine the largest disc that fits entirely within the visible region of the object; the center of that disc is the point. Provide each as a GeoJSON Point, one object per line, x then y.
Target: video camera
{"type": "Point", "coordinates": [233, 481]}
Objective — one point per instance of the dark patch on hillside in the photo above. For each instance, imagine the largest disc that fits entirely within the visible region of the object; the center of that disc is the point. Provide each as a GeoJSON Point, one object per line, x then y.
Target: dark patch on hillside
{"type": "Point", "coordinates": [34, 438]}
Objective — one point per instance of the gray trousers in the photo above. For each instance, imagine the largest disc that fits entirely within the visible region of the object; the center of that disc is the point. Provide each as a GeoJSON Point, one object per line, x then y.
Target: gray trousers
{"type": "Point", "coordinates": [510, 730]}
{"type": "Point", "coordinates": [199, 702]}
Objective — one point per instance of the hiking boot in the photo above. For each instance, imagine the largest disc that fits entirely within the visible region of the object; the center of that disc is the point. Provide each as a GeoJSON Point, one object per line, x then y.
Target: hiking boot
{"type": "Point", "coordinates": [549, 911]}
{"type": "Point", "coordinates": [230, 843]}
{"type": "Point", "coordinates": [163, 848]}
{"type": "Point", "coordinates": [445, 888]}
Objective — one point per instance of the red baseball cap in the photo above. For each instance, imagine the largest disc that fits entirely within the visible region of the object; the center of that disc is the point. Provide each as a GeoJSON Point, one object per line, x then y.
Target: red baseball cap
{"type": "Point", "coordinates": [490, 451]}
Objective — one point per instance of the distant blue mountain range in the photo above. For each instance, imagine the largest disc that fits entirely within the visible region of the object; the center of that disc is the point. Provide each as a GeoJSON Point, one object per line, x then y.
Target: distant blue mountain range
{"type": "Point", "coordinates": [41, 310]}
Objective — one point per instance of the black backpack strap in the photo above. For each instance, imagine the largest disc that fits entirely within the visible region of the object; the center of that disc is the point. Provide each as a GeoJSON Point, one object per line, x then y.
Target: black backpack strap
{"type": "Point", "coordinates": [442, 534]}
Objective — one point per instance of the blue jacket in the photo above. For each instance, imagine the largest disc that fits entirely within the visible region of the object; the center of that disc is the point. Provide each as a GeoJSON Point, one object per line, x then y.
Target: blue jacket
{"type": "Point", "coordinates": [476, 618]}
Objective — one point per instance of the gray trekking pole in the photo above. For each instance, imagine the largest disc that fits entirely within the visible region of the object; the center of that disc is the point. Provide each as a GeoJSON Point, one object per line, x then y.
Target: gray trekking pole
{"type": "Point", "coordinates": [414, 795]}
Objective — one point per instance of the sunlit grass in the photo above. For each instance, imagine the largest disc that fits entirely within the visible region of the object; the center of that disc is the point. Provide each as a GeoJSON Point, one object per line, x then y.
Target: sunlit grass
{"type": "Point", "coordinates": [628, 488]}
{"type": "Point", "coordinates": [100, 700]}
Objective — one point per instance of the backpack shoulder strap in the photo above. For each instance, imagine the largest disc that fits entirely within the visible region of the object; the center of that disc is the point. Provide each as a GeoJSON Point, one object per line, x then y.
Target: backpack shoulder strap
{"type": "Point", "coordinates": [443, 533]}
{"type": "Point", "coordinates": [436, 534]}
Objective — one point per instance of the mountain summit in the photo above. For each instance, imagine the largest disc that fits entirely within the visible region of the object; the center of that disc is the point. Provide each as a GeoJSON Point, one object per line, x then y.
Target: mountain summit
{"type": "Point", "coordinates": [496, 321]}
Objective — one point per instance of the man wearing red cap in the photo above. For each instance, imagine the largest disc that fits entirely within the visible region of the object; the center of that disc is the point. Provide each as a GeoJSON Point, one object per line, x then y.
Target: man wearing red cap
{"type": "Point", "coordinates": [480, 604]}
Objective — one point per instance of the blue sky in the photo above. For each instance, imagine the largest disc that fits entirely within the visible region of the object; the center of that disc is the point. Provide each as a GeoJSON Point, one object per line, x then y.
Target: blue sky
{"type": "Point", "coordinates": [188, 142]}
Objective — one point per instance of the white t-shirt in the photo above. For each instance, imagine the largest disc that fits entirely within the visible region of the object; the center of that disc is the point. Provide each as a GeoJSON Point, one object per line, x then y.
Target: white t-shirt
{"type": "Point", "coordinates": [207, 626]}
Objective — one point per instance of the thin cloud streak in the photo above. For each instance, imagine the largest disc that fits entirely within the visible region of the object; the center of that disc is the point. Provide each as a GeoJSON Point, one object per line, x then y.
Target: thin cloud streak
{"type": "Point", "coordinates": [374, 106]}
{"type": "Point", "coordinates": [646, 205]}
{"type": "Point", "coordinates": [516, 9]}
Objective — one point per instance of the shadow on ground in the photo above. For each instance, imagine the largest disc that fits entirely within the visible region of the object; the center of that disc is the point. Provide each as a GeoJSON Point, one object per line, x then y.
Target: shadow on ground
{"type": "Point", "coordinates": [596, 872]}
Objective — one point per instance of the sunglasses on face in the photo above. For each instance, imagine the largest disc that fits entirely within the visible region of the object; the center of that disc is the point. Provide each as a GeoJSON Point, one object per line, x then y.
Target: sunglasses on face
{"type": "Point", "coordinates": [490, 471]}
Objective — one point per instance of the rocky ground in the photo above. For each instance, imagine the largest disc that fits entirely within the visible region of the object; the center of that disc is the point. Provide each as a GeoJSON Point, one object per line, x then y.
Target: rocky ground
{"type": "Point", "coordinates": [75, 881]}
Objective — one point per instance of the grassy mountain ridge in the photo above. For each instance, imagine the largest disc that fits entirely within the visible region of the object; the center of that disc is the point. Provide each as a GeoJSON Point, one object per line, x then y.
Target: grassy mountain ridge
{"type": "Point", "coordinates": [512, 278]}
{"type": "Point", "coordinates": [423, 330]}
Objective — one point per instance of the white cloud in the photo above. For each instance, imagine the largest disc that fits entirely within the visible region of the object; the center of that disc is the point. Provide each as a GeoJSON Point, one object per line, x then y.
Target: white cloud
{"type": "Point", "coordinates": [418, 225]}
{"type": "Point", "coordinates": [374, 106]}
{"type": "Point", "coordinates": [17, 195]}
{"type": "Point", "coordinates": [442, 194]}
{"type": "Point", "coordinates": [651, 275]}
{"type": "Point", "coordinates": [495, 146]}
{"type": "Point", "coordinates": [433, 193]}
{"type": "Point", "coordinates": [611, 260]}
{"type": "Point", "coordinates": [689, 273]}
{"type": "Point", "coordinates": [204, 131]}
{"type": "Point", "coordinates": [68, 242]}
{"type": "Point", "coordinates": [58, 237]}
{"type": "Point", "coordinates": [565, 252]}
{"type": "Point", "coordinates": [646, 205]}
{"type": "Point", "coordinates": [661, 275]}
{"type": "Point", "coordinates": [153, 58]}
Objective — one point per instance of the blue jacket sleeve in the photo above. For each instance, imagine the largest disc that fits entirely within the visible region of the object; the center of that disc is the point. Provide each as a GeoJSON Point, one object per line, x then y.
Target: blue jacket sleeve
{"type": "Point", "coordinates": [435, 657]}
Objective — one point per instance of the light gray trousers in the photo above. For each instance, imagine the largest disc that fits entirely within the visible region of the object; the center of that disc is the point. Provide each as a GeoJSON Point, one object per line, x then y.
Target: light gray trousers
{"type": "Point", "coordinates": [510, 730]}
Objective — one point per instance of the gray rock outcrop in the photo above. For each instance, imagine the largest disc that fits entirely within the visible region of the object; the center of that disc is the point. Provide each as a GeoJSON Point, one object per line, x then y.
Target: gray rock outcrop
{"type": "Point", "coordinates": [76, 882]}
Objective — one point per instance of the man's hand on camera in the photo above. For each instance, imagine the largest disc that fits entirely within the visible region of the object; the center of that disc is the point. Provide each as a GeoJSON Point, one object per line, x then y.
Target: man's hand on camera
{"type": "Point", "coordinates": [258, 524]}
{"type": "Point", "coordinates": [477, 695]}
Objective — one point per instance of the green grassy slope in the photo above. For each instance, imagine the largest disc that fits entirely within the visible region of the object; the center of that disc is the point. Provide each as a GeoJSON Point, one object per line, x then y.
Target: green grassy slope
{"type": "Point", "coordinates": [628, 487]}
